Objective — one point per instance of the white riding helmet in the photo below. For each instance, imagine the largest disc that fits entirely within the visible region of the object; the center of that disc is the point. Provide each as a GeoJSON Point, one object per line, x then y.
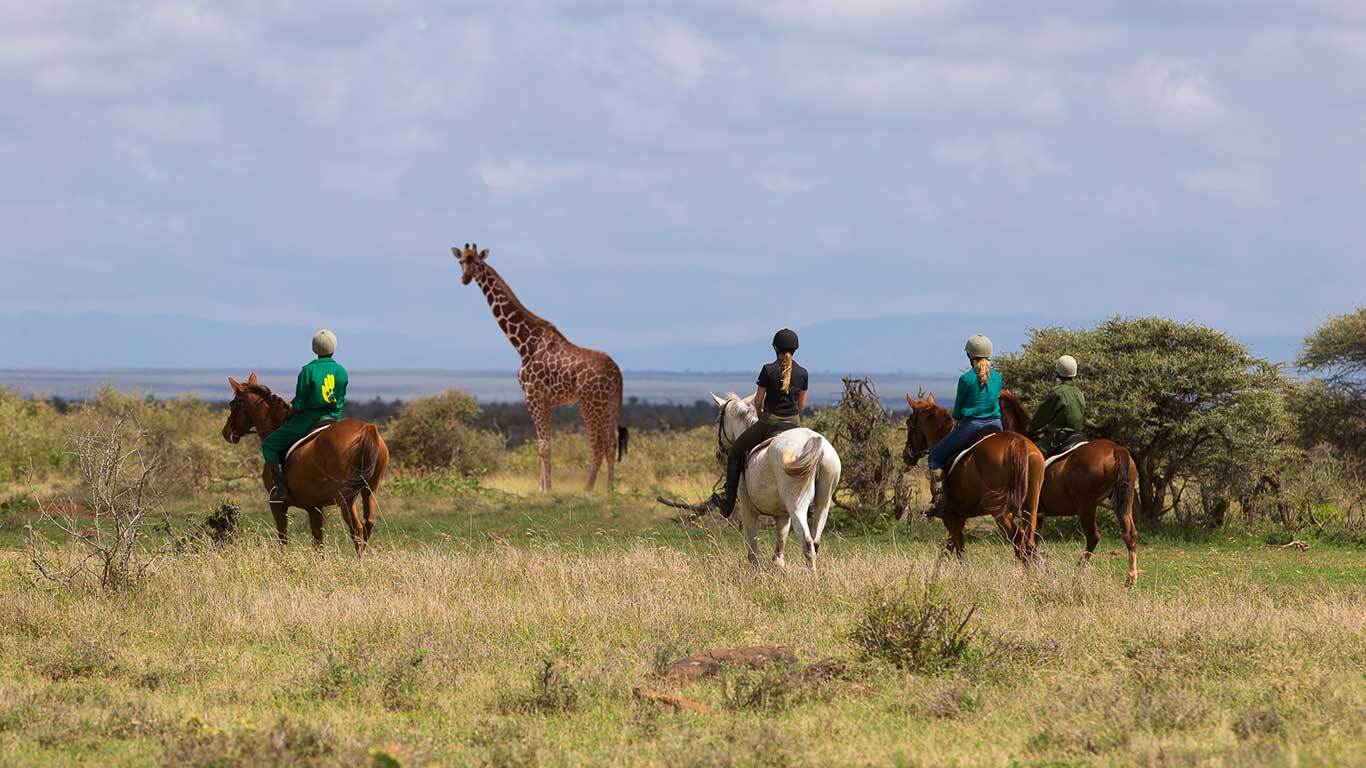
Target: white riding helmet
{"type": "Point", "coordinates": [978, 346]}
{"type": "Point", "coordinates": [324, 343]}
{"type": "Point", "coordinates": [1066, 367]}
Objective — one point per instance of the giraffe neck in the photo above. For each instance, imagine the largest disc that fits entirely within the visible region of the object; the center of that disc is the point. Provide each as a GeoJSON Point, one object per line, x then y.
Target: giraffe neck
{"type": "Point", "coordinates": [528, 332]}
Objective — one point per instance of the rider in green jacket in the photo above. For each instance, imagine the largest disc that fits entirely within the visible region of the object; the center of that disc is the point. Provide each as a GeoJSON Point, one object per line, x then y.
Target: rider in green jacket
{"type": "Point", "coordinates": [319, 394]}
{"type": "Point", "coordinates": [1062, 413]}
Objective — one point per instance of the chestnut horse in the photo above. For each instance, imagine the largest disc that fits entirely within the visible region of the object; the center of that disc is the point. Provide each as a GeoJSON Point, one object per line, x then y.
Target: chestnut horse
{"type": "Point", "coordinates": [1001, 476]}
{"type": "Point", "coordinates": [344, 461]}
{"type": "Point", "coordinates": [1074, 485]}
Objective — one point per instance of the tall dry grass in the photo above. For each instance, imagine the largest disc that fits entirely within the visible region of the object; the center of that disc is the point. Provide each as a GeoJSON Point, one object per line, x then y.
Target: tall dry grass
{"type": "Point", "coordinates": [498, 655]}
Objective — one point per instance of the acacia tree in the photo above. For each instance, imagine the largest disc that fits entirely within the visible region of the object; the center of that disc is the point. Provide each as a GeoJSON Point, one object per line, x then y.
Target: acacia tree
{"type": "Point", "coordinates": [1184, 398]}
{"type": "Point", "coordinates": [1332, 408]}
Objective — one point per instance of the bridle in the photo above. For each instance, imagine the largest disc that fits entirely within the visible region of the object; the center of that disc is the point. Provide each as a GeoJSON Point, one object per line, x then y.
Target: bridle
{"type": "Point", "coordinates": [913, 428]}
{"type": "Point", "coordinates": [237, 400]}
{"type": "Point", "coordinates": [722, 444]}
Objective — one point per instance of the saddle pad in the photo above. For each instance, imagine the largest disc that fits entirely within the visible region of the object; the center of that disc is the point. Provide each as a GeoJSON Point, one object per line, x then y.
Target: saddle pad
{"type": "Point", "coordinates": [954, 464]}
{"type": "Point", "coordinates": [306, 438]}
{"type": "Point", "coordinates": [1056, 456]}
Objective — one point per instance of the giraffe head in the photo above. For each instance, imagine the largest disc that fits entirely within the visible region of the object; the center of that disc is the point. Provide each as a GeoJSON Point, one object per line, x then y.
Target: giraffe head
{"type": "Point", "coordinates": [470, 257]}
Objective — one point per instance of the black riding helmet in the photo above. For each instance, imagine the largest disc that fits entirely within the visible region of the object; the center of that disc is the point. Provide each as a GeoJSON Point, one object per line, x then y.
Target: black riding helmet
{"type": "Point", "coordinates": [785, 340]}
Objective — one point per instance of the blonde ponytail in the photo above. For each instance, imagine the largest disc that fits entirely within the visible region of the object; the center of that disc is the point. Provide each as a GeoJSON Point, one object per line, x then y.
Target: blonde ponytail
{"type": "Point", "coordinates": [785, 358]}
{"type": "Point", "coordinates": [982, 365]}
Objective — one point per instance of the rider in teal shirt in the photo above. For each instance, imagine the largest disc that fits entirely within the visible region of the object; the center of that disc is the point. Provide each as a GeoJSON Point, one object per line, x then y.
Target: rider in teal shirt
{"type": "Point", "coordinates": [976, 408]}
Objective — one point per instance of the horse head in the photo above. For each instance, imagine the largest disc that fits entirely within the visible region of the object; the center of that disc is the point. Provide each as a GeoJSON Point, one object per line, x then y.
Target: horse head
{"type": "Point", "coordinates": [926, 425]}
{"type": "Point", "coordinates": [249, 409]}
{"type": "Point", "coordinates": [736, 415]}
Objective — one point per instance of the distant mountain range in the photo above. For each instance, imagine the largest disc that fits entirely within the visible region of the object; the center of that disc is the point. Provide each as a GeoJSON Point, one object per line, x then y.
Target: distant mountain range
{"type": "Point", "coordinates": [927, 343]}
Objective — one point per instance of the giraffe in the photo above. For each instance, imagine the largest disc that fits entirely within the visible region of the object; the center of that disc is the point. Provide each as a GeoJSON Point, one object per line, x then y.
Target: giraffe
{"type": "Point", "coordinates": [554, 370]}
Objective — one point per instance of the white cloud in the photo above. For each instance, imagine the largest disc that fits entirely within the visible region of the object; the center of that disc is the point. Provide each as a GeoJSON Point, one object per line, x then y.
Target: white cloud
{"type": "Point", "coordinates": [680, 50]}
{"type": "Point", "coordinates": [782, 183]}
{"type": "Point", "coordinates": [1243, 186]}
{"type": "Point", "coordinates": [1014, 156]}
{"type": "Point", "coordinates": [1171, 93]}
{"type": "Point", "coordinates": [518, 177]}
{"type": "Point", "coordinates": [856, 15]}
{"type": "Point", "coordinates": [887, 84]}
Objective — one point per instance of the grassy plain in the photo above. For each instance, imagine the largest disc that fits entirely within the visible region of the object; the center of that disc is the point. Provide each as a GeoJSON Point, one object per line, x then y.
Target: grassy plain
{"type": "Point", "coordinates": [491, 626]}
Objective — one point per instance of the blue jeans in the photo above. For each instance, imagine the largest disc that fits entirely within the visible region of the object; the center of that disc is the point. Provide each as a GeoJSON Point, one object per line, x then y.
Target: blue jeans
{"type": "Point", "coordinates": [965, 433]}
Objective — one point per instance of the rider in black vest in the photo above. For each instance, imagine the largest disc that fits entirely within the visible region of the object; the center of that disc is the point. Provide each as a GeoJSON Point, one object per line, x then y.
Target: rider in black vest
{"type": "Point", "coordinates": [780, 399]}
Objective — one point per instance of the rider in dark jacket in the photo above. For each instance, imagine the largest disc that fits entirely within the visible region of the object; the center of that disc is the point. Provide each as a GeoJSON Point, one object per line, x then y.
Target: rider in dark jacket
{"type": "Point", "coordinates": [779, 399]}
{"type": "Point", "coordinates": [1063, 413]}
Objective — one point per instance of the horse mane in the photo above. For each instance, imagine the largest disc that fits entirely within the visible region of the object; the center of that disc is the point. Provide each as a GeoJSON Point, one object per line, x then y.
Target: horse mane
{"type": "Point", "coordinates": [1013, 409]}
{"type": "Point", "coordinates": [264, 392]}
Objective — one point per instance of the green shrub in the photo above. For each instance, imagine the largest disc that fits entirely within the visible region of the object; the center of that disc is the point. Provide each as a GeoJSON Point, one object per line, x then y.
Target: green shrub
{"type": "Point", "coordinates": [438, 433]}
{"type": "Point", "coordinates": [916, 630]}
{"type": "Point", "coordinates": [33, 440]}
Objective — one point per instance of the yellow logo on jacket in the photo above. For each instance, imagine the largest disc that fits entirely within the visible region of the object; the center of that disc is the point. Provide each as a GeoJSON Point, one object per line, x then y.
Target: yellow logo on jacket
{"type": "Point", "coordinates": [330, 389]}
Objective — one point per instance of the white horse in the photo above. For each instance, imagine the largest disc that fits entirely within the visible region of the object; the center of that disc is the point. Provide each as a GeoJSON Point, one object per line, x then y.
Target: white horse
{"type": "Point", "coordinates": [782, 479]}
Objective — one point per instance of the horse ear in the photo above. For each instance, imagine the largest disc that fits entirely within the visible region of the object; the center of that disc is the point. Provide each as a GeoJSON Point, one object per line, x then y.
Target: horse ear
{"type": "Point", "coordinates": [930, 398]}
{"type": "Point", "coordinates": [236, 385]}
{"type": "Point", "coordinates": [749, 400]}
{"type": "Point", "coordinates": [719, 402]}
{"type": "Point", "coordinates": [251, 380]}
{"type": "Point", "coordinates": [909, 401]}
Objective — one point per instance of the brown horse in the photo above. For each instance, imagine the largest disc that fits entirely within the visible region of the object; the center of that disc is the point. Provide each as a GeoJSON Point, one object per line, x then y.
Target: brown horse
{"type": "Point", "coordinates": [1074, 485]}
{"type": "Point", "coordinates": [344, 461]}
{"type": "Point", "coordinates": [1002, 476]}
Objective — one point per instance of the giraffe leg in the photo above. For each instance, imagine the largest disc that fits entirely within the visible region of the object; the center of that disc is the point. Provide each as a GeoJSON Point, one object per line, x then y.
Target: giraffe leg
{"type": "Point", "coordinates": [609, 440]}
{"type": "Point", "coordinates": [540, 418]}
{"type": "Point", "coordinates": [593, 425]}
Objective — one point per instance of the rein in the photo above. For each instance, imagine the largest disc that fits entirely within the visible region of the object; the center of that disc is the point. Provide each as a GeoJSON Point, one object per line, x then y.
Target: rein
{"type": "Point", "coordinates": [722, 445]}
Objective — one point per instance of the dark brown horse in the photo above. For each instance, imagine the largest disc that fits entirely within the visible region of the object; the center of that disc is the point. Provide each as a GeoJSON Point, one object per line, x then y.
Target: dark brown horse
{"type": "Point", "coordinates": [1074, 485]}
{"type": "Point", "coordinates": [1002, 476]}
{"type": "Point", "coordinates": [344, 461]}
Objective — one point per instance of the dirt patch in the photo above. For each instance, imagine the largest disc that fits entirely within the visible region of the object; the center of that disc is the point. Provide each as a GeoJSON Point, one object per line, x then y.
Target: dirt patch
{"type": "Point", "coordinates": [698, 666]}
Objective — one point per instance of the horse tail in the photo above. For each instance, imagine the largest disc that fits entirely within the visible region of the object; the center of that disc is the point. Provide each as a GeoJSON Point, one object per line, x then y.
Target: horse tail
{"type": "Point", "coordinates": [805, 463]}
{"type": "Point", "coordinates": [1017, 470]}
{"type": "Point", "coordinates": [1122, 494]}
{"type": "Point", "coordinates": [366, 448]}
{"type": "Point", "coordinates": [623, 442]}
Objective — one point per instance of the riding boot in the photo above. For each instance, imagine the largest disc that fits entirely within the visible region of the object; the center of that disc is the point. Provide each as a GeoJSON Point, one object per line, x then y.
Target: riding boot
{"type": "Point", "coordinates": [936, 508]}
{"type": "Point", "coordinates": [279, 491]}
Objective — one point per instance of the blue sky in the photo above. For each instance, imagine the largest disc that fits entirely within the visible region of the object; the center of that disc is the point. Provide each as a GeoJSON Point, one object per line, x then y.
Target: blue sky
{"type": "Point", "coordinates": [647, 173]}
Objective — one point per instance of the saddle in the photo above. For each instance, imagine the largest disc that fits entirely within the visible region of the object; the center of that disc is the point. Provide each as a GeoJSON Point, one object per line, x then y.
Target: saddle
{"type": "Point", "coordinates": [1072, 443]}
{"type": "Point", "coordinates": [977, 437]}
{"type": "Point", "coordinates": [313, 431]}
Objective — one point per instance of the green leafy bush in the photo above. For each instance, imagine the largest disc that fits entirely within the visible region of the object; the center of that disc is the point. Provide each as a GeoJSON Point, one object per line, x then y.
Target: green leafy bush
{"type": "Point", "coordinates": [922, 630]}
{"type": "Point", "coordinates": [438, 433]}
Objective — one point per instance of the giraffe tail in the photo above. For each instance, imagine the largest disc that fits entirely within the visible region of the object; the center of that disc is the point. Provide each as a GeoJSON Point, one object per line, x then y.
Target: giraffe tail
{"type": "Point", "coordinates": [623, 442]}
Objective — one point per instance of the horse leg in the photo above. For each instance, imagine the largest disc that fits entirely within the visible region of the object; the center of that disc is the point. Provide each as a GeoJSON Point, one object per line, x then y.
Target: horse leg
{"type": "Point", "coordinates": [749, 520]}
{"type": "Point", "coordinates": [955, 523]}
{"type": "Point", "coordinates": [368, 503]}
{"type": "Point", "coordinates": [1091, 529]}
{"type": "Point", "coordinates": [782, 529]}
{"type": "Point", "coordinates": [280, 510]}
{"type": "Point", "coordinates": [1130, 535]}
{"type": "Point", "coordinates": [315, 524]}
{"type": "Point", "coordinates": [347, 504]}
{"type": "Point", "coordinates": [540, 418]}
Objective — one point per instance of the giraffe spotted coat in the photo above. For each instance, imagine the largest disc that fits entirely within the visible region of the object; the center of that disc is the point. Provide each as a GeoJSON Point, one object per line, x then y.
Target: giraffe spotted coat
{"type": "Point", "coordinates": [555, 371]}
